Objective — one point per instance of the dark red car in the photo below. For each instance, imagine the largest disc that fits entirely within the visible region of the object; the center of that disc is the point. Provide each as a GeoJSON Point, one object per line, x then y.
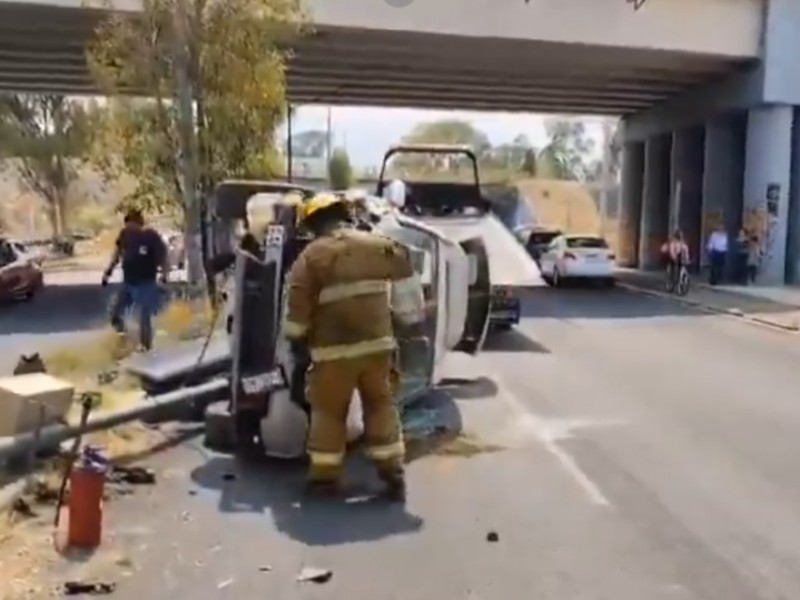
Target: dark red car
{"type": "Point", "coordinates": [20, 275]}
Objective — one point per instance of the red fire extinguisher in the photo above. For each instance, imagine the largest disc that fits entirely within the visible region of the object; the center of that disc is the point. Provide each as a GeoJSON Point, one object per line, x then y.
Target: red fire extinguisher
{"type": "Point", "coordinates": [85, 508]}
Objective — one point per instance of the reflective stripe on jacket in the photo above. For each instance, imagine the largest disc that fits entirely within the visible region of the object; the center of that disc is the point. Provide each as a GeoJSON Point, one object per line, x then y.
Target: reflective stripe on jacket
{"type": "Point", "coordinates": [338, 294]}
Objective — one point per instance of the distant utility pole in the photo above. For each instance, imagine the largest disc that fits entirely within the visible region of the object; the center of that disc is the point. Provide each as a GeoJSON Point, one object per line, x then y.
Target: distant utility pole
{"type": "Point", "coordinates": [606, 175]}
{"type": "Point", "coordinates": [328, 142]}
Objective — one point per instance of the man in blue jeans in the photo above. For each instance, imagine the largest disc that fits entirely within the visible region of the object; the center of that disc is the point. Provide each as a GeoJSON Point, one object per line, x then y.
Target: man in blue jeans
{"type": "Point", "coordinates": [142, 252]}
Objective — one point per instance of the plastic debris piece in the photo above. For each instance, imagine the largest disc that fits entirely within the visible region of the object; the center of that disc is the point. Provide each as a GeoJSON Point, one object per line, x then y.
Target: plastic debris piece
{"type": "Point", "coordinates": [133, 475]}
{"type": "Point", "coordinates": [223, 584]}
{"type": "Point", "coordinates": [492, 537]}
{"type": "Point", "coordinates": [265, 568]}
{"type": "Point", "coordinates": [74, 588]}
{"type": "Point", "coordinates": [314, 575]}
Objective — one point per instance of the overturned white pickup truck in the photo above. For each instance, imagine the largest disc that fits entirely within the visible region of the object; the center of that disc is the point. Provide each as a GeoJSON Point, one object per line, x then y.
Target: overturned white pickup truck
{"type": "Point", "coordinates": [267, 410]}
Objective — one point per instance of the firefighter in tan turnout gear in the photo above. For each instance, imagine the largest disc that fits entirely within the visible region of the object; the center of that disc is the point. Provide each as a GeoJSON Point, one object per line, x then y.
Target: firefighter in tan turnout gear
{"type": "Point", "coordinates": [339, 308]}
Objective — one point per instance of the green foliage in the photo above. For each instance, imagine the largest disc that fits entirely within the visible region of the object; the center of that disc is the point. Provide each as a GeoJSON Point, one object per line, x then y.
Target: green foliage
{"type": "Point", "coordinates": [565, 156]}
{"type": "Point", "coordinates": [449, 131]}
{"type": "Point", "coordinates": [234, 54]}
{"type": "Point", "coordinates": [496, 163]}
{"type": "Point", "coordinates": [47, 137]}
{"type": "Point", "coordinates": [340, 172]}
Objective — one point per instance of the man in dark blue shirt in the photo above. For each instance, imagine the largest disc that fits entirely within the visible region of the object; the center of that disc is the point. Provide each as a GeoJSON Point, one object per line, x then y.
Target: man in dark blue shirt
{"type": "Point", "coordinates": [142, 252]}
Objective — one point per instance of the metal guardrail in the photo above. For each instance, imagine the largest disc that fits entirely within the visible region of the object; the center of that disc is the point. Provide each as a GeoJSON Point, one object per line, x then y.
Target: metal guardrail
{"type": "Point", "coordinates": [204, 393]}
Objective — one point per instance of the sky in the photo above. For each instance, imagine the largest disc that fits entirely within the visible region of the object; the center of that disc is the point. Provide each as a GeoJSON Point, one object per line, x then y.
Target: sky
{"type": "Point", "coordinates": [366, 132]}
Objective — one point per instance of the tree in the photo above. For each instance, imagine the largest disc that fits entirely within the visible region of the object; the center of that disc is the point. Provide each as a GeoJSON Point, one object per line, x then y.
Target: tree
{"type": "Point", "coordinates": [565, 156]}
{"type": "Point", "coordinates": [47, 138]}
{"type": "Point", "coordinates": [213, 74]}
{"type": "Point", "coordinates": [448, 131]}
{"type": "Point", "coordinates": [340, 172]}
{"type": "Point", "coordinates": [529, 162]}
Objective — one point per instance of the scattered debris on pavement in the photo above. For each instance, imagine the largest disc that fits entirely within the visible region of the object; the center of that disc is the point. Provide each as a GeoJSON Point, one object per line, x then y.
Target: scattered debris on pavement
{"type": "Point", "coordinates": [265, 568]}
{"type": "Point", "coordinates": [132, 475]}
{"type": "Point", "coordinates": [228, 476]}
{"type": "Point", "coordinates": [492, 537]}
{"type": "Point", "coordinates": [314, 575]}
{"type": "Point", "coordinates": [75, 588]}
{"type": "Point", "coordinates": [22, 508]}
{"type": "Point", "coordinates": [223, 584]}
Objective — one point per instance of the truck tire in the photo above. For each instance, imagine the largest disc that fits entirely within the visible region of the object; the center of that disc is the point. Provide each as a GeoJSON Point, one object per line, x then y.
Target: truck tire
{"type": "Point", "coordinates": [220, 434]}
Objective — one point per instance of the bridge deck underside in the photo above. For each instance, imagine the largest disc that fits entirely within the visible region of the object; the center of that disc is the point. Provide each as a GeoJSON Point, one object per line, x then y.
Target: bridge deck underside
{"type": "Point", "coordinates": [42, 49]}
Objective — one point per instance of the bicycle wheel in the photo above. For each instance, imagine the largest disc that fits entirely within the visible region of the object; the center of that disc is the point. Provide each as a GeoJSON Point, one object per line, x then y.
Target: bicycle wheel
{"type": "Point", "coordinates": [683, 284]}
{"type": "Point", "coordinates": [669, 283]}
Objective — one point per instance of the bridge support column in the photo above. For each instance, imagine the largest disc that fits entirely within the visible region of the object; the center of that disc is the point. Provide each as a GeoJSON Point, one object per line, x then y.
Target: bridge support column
{"type": "Point", "coordinates": [630, 211]}
{"type": "Point", "coordinates": [723, 179]}
{"type": "Point", "coordinates": [655, 204]}
{"type": "Point", "coordinates": [687, 184]}
{"type": "Point", "coordinates": [793, 235]}
{"type": "Point", "coordinates": [767, 177]}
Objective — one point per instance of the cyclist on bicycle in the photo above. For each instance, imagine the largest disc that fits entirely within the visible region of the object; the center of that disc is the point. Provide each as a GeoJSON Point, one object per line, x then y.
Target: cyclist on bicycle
{"type": "Point", "coordinates": [676, 252]}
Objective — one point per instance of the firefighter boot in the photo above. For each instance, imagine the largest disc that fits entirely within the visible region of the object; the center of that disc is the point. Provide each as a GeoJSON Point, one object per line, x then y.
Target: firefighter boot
{"type": "Point", "coordinates": [394, 481]}
{"type": "Point", "coordinates": [322, 489]}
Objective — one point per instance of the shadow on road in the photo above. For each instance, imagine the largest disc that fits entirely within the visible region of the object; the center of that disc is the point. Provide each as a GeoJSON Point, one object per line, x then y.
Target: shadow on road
{"type": "Point", "coordinates": [57, 309]}
{"type": "Point", "coordinates": [512, 341]}
{"type": "Point", "coordinates": [277, 487]}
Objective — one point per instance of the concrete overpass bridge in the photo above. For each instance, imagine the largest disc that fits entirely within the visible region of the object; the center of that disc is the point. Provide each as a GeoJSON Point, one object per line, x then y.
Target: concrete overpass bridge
{"type": "Point", "coordinates": [707, 88]}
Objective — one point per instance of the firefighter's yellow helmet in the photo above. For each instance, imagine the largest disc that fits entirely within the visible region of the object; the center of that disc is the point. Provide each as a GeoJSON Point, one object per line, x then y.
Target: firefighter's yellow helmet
{"type": "Point", "coordinates": [320, 202]}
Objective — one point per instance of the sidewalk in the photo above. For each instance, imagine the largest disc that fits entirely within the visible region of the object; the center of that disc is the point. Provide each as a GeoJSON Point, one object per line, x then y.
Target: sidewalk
{"type": "Point", "coordinates": [774, 306]}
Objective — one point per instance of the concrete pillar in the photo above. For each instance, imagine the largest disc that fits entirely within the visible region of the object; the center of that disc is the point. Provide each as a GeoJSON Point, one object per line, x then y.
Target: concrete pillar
{"type": "Point", "coordinates": [767, 175]}
{"type": "Point", "coordinates": [687, 184]}
{"type": "Point", "coordinates": [655, 204]}
{"type": "Point", "coordinates": [723, 179]}
{"type": "Point", "coordinates": [630, 210]}
{"type": "Point", "coordinates": [793, 236]}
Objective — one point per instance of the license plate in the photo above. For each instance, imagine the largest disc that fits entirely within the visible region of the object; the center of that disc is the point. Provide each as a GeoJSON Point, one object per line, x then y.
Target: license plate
{"type": "Point", "coordinates": [264, 382]}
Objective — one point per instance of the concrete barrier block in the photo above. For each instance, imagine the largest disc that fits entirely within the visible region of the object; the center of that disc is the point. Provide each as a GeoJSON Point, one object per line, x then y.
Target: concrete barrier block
{"type": "Point", "coordinates": [21, 397]}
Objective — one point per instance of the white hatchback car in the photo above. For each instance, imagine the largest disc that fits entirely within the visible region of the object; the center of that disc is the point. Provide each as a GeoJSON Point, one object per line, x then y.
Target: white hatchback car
{"type": "Point", "coordinates": [572, 257]}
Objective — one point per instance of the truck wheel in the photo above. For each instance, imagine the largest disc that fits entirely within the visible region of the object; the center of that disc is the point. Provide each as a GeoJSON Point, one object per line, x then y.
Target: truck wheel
{"type": "Point", "coordinates": [220, 434]}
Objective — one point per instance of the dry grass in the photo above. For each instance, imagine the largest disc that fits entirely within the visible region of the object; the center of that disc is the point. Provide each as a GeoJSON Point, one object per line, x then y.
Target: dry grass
{"type": "Point", "coordinates": [30, 562]}
{"type": "Point", "coordinates": [568, 206]}
{"type": "Point", "coordinates": [184, 319]}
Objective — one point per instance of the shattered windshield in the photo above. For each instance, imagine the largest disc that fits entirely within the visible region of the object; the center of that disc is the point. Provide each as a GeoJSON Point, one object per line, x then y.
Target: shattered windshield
{"type": "Point", "coordinates": [417, 364]}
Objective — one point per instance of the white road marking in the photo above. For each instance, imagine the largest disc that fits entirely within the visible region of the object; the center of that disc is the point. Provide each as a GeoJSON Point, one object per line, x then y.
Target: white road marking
{"type": "Point", "coordinates": [549, 431]}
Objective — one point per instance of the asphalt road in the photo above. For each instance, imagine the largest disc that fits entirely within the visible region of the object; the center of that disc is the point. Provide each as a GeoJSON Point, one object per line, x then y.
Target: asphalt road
{"type": "Point", "coordinates": [71, 305]}
{"type": "Point", "coordinates": [639, 451]}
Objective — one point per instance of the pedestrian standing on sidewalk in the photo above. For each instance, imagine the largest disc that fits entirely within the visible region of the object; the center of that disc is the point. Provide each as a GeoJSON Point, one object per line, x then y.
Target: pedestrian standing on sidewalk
{"type": "Point", "coordinates": [717, 249]}
{"type": "Point", "coordinates": [142, 252]}
{"type": "Point", "coordinates": [753, 259]}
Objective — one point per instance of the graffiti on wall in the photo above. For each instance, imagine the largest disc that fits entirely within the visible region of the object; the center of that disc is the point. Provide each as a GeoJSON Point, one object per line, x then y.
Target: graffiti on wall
{"type": "Point", "coordinates": [711, 220]}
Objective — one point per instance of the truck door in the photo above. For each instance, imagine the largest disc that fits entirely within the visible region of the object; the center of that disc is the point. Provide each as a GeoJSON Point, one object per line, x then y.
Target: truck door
{"type": "Point", "coordinates": [476, 324]}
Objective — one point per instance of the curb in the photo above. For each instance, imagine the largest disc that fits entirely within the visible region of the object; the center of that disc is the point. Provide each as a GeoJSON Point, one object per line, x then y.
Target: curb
{"type": "Point", "coordinates": [729, 312]}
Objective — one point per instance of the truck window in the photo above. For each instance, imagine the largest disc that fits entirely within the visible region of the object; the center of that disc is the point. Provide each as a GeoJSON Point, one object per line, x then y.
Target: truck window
{"type": "Point", "coordinates": [586, 242]}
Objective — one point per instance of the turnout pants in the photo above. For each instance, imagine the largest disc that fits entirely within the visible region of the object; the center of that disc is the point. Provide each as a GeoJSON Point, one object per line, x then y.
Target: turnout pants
{"type": "Point", "coordinates": [330, 389]}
